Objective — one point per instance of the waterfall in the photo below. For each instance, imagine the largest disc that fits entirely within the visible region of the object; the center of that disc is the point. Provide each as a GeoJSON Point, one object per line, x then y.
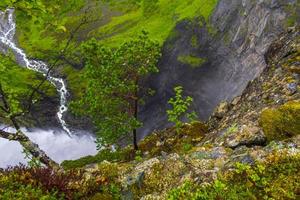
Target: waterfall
{"type": "Point", "coordinates": [7, 34]}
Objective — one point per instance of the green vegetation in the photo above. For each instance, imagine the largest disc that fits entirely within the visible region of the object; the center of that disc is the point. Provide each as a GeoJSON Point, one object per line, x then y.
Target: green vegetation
{"type": "Point", "coordinates": [117, 156]}
{"type": "Point", "coordinates": [43, 25]}
{"type": "Point", "coordinates": [293, 10]}
{"type": "Point", "coordinates": [282, 122]}
{"type": "Point", "coordinates": [159, 23]}
{"type": "Point", "coordinates": [193, 61]}
{"type": "Point", "coordinates": [232, 129]}
{"type": "Point", "coordinates": [106, 74]}
{"type": "Point", "coordinates": [194, 41]}
{"type": "Point", "coordinates": [275, 179]}
{"type": "Point", "coordinates": [18, 82]}
{"type": "Point", "coordinates": [180, 106]}
{"type": "Point", "coordinates": [150, 7]}
{"type": "Point", "coordinates": [24, 192]}
{"type": "Point", "coordinates": [43, 183]}
{"type": "Point", "coordinates": [114, 90]}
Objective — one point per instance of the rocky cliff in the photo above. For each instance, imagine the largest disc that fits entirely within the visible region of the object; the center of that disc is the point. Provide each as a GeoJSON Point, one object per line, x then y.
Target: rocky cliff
{"type": "Point", "coordinates": [215, 60]}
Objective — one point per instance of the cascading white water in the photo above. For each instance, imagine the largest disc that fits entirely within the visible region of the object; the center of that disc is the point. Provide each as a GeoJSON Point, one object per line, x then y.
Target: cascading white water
{"type": "Point", "coordinates": [7, 34]}
{"type": "Point", "coordinates": [58, 145]}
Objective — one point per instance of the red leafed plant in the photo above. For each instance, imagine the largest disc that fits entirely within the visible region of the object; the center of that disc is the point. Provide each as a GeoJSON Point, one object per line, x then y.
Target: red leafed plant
{"type": "Point", "coordinates": [62, 182]}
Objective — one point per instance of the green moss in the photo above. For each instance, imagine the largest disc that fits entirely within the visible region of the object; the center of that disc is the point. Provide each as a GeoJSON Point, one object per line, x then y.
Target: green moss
{"type": "Point", "coordinates": [227, 38]}
{"type": "Point", "coordinates": [282, 122]}
{"type": "Point", "coordinates": [120, 155]}
{"type": "Point", "coordinates": [234, 128]}
{"type": "Point", "coordinates": [211, 29]}
{"type": "Point", "coordinates": [100, 196]}
{"type": "Point", "coordinates": [194, 42]}
{"type": "Point", "coordinates": [277, 178]}
{"type": "Point", "coordinates": [293, 14]}
{"type": "Point", "coordinates": [195, 129]}
{"type": "Point", "coordinates": [193, 61]}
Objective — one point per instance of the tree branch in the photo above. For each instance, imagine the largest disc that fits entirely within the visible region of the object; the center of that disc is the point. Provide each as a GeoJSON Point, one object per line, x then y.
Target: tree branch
{"type": "Point", "coordinates": [19, 136]}
{"type": "Point", "coordinates": [8, 136]}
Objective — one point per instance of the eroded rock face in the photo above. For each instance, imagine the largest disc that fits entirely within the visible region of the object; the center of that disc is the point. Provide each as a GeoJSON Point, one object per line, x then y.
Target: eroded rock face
{"type": "Point", "coordinates": [232, 48]}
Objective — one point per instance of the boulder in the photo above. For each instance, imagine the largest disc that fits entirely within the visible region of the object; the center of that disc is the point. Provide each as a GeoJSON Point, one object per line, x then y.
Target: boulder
{"type": "Point", "coordinates": [248, 135]}
{"type": "Point", "coordinates": [222, 109]}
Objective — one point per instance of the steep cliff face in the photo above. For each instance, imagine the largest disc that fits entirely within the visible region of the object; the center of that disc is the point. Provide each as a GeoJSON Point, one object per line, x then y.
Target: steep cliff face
{"type": "Point", "coordinates": [215, 61]}
{"type": "Point", "coordinates": [212, 60]}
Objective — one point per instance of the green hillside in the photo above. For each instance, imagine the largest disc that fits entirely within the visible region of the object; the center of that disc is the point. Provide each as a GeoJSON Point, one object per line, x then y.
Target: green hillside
{"type": "Point", "coordinates": [43, 29]}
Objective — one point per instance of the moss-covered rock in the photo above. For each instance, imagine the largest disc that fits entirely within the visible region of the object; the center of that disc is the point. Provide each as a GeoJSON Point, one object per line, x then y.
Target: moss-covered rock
{"type": "Point", "coordinates": [271, 179]}
{"type": "Point", "coordinates": [282, 122]}
{"type": "Point", "coordinates": [195, 129]}
{"type": "Point", "coordinates": [191, 60]}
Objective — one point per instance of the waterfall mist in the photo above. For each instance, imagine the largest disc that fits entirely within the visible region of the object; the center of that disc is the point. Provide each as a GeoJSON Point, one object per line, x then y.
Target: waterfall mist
{"type": "Point", "coordinates": [56, 143]}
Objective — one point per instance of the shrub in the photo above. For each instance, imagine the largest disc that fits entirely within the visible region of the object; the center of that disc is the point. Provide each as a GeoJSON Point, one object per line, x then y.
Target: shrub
{"type": "Point", "coordinates": [187, 147]}
{"type": "Point", "coordinates": [17, 183]}
{"type": "Point", "coordinates": [180, 106]}
{"type": "Point", "coordinates": [282, 122]}
{"type": "Point", "coordinates": [24, 192]}
{"type": "Point", "coordinates": [39, 182]}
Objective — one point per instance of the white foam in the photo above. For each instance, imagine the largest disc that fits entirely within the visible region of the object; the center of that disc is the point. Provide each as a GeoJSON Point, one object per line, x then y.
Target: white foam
{"type": "Point", "coordinates": [7, 34]}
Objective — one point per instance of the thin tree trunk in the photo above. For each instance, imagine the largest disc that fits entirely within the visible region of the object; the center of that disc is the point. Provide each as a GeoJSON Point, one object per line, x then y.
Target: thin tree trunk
{"type": "Point", "coordinates": [135, 144]}
{"type": "Point", "coordinates": [20, 137]}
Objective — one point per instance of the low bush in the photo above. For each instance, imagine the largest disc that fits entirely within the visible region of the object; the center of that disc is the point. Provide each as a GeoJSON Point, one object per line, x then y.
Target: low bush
{"type": "Point", "coordinates": [22, 182]}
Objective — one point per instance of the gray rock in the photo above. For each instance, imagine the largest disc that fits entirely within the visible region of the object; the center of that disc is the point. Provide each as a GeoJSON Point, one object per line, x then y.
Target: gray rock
{"type": "Point", "coordinates": [292, 88]}
{"type": "Point", "coordinates": [247, 135]}
{"type": "Point", "coordinates": [221, 110]}
{"type": "Point", "coordinates": [235, 54]}
{"type": "Point", "coordinates": [214, 153]}
{"type": "Point", "coordinates": [241, 155]}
